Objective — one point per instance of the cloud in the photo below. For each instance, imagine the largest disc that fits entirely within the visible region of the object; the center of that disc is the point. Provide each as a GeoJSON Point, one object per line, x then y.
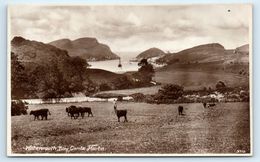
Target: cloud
{"type": "Point", "coordinates": [136, 28]}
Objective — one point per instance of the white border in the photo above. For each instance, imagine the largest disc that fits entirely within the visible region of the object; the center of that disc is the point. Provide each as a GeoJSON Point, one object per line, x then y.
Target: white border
{"type": "Point", "coordinates": [9, 151]}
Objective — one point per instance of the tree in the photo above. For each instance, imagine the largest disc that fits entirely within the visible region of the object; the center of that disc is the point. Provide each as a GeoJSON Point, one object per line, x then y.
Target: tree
{"type": "Point", "coordinates": [146, 71]}
{"type": "Point", "coordinates": [18, 108]}
{"type": "Point", "coordinates": [74, 72]}
{"type": "Point", "coordinates": [220, 86]}
{"type": "Point", "coordinates": [171, 91]}
{"type": "Point", "coordinates": [64, 77]}
{"type": "Point", "coordinates": [58, 78]}
{"type": "Point", "coordinates": [122, 82]}
{"type": "Point", "coordinates": [20, 82]}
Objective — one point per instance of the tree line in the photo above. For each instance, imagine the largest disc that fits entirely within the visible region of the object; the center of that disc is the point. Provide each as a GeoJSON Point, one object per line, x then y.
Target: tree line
{"type": "Point", "coordinates": [63, 77]}
{"type": "Point", "coordinates": [58, 78]}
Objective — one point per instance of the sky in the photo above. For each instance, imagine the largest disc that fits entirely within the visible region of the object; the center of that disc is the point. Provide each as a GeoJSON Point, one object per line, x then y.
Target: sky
{"type": "Point", "coordinates": [130, 28]}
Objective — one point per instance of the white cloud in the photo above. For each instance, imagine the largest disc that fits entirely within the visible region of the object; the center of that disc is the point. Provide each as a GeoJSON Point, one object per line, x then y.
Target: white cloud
{"type": "Point", "coordinates": [132, 18]}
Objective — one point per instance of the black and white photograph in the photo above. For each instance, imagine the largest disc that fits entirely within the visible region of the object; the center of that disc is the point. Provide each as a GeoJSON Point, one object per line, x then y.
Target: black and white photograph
{"type": "Point", "coordinates": [129, 80]}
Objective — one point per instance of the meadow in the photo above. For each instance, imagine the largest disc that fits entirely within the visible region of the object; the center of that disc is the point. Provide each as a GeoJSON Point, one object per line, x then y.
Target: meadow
{"type": "Point", "coordinates": [151, 128]}
{"type": "Point", "coordinates": [196, 79]}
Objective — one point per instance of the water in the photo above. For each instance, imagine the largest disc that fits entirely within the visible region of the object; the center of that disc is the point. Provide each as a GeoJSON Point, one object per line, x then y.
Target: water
{"type": "Point", "coordinates": [112, 65]}
{"type": "Point", "coordinates": [73, 99]}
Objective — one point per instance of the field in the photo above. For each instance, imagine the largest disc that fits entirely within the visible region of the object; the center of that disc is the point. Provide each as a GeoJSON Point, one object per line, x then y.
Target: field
{"type": "Point", "coordinates": [151, 129]}
{"type": "Point", "coordinates": [194, 80]}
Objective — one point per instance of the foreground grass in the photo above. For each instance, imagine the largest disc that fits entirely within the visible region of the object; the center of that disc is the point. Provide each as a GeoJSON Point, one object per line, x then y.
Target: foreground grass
{"type": "Point", "coordinates": [151, 129]}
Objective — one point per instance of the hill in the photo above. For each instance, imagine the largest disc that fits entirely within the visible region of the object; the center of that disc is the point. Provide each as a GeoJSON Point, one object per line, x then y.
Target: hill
{"type": "Point", "coordinates": [213, 52]}
{"type": "Point", "coordinates": [152, 52]}
{"type": "Point", "coordinates": [243, 49]}
{"type": "Point", "coordinates": [87, 48]}
{"type": "Point", "coordinates": [100, 76]}
{"type": "Point", "coordinates": [44, 71]}
{"type": "Point", "coordinates": [204, 65]}
{"type": "Point", "coordinates": [36, 52]}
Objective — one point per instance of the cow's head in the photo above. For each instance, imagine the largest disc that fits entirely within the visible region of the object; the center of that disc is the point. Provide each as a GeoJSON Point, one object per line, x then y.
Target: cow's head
{"type": "Point", "coordinates": [31, 112]}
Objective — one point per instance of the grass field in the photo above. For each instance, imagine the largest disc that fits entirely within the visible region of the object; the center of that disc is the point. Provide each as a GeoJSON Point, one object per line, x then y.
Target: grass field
{"type": "Point", "coordinates": [151, 129]}
{"type": "Point", "coordinates": [194, 80]}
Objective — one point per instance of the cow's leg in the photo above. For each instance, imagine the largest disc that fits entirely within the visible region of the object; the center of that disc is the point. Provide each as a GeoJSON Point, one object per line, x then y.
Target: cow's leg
{"type": "Point", "coordinates": [118, 119]}
{"type": "Point", "coordinates": [82, 115]}
{"type": "Point", "coordinates": [76, 116]}
{"type": "Point", "coordinates": [126, 119]}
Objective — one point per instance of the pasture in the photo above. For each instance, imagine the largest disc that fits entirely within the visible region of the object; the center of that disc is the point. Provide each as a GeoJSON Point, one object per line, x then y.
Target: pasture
{"type": "Point", "coordinates": [195, 79]}
{"type": "Point", "coordinates": [151, 129]}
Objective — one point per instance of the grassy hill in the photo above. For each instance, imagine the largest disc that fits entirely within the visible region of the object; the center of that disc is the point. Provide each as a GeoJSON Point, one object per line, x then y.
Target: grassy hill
{"type": "Point", "coordinates": [207, 53]}
{"type": "Point", "coordinates": [152, 52]}
{"type": "Point", "coordinates": [100, 76]}
{"type": "Point", "coordinates": [36, 52]}
{"type": "Point", "coordinates": [194, 80]}
{"type": "Point", "coordinates": [87, 48]}
{"type": "Point", "coordinates": [205, 65]}
{"type": "Point", "coordinates": [199, 75]}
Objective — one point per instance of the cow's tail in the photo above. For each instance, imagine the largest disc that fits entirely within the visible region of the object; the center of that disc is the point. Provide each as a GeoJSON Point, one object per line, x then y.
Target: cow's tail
{"type": "Point", "coordinates": [49, 112]}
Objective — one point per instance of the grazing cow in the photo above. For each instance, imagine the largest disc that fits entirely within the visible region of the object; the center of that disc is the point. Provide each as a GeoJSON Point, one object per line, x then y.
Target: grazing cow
{"type": "Point", "coordinates": [204, 104]}
{"type": "Point", "coordinates": [67, 111]}
{"type": "Point", "coordinates": [41, 112]}
{"type": "Point", "coordinates": [84, 110]}
{"type": "Point", "coordinates": [180, 110]}
{"type": "Point", "coordinates": [211, 104]}
{"type": "Point", "coordinates": [120, 113]}
{"type": "Point", "coordinates": [73, 111]}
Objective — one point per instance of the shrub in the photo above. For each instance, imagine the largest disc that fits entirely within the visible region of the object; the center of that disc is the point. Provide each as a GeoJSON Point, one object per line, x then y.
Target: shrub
{"type": "Point", "coordinates": [104, 87]}
{"type": "Point", "coordinates": [120, 98]}
{"type": "Point", "coordinates": [167, 94]}
{"type": "Point", "coordinates": [221, 87]}
{"type": "Point", "coordinates": [18, 108]}
{"type": "Point", "coordinates": [170, 91]}
{"type": "Point", "coordinates": [138, 97]}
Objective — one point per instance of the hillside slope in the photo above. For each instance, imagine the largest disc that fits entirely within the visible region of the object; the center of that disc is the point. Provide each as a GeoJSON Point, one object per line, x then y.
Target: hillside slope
{"type": "Point", "coordinates": [99, 76]}
{"type": "Point", "coordinates": [87, 48]}
{"type": "Point", "coordinates": [152, 52]}
{"type": "Point", "coordinates": [204, 65]}
{"type": "Point", "coordinates": [36, 52]}
{"type": "Point", "coordinates": [207, 53]}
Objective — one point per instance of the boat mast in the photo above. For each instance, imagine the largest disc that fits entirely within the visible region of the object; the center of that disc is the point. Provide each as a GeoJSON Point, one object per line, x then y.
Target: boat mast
{"type": "Point", "coordinates": [119, 65]}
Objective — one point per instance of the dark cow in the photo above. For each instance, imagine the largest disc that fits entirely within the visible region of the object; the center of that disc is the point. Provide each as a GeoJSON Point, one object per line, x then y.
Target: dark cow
{"type": "Point", "coordinates": [204, 104]}
{"type": "Point", "coordinates": [120, 113]}
{"type": "Point", "coordinates": [211, 104]}
{"type": "Point", "coordinates": [73, 111]}
{"type": "Point", "coordinates": [41, 112]}
{"type": "Point", "coordinates": [180, 110]}
{"type": "Point", "coordinates": [84, 110]}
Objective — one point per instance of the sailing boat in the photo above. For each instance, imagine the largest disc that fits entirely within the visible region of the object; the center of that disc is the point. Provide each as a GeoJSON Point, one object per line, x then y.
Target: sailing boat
{"type": "Point", "coordinates": [119, 65]}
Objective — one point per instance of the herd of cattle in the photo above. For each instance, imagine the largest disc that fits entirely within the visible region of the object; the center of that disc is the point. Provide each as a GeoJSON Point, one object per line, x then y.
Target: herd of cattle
{"type": "Point", "coordinates": [75, 112]}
